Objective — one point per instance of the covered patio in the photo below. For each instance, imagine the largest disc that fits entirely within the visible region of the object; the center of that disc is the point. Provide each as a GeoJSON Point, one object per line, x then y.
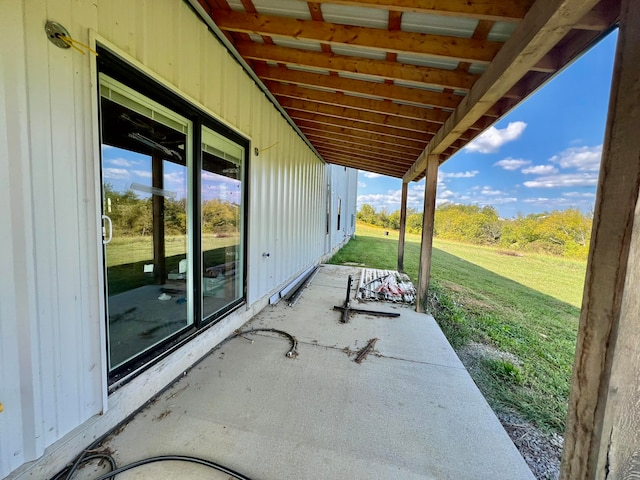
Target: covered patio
{"type": "Point", "coordinates": [409, 410]}
{"type": "Point", "coordinates": [402, 102]}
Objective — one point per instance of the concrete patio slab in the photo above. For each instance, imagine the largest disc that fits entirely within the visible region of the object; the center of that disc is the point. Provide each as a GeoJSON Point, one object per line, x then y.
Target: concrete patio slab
{"type": "Point", "coordinates": [408, 411]}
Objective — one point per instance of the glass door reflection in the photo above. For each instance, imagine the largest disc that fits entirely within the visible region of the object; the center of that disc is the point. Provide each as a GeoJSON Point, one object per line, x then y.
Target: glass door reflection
{"type": "Point", "coordinates": [222, 222]}
{"type": "Point", "coordinates": [145, 175]}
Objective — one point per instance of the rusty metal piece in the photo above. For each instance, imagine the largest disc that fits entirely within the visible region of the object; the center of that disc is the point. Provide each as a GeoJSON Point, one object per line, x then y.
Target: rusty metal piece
{"type": "Point", "coordinates": [362, 354]}
{"type": "Point", "coordinates": [347, 310]}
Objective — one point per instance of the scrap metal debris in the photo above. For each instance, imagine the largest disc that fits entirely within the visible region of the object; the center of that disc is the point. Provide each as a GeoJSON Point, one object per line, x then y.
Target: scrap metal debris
{"type": "Point", "coordinates": [387, 285]}
{"type": "Point", "coordinates": [347, 310]}
{"type": "Point", "coordinates": [362, 354]}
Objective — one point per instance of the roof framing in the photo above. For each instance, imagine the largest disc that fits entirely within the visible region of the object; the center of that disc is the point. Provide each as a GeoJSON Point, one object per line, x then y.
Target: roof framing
{"type": "Point", "coordinates": [428, 82]}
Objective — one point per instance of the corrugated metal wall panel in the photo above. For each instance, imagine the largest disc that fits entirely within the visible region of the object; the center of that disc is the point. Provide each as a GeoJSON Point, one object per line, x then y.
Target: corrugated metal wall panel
{"type": "Point", "coordinates": [53, 311]}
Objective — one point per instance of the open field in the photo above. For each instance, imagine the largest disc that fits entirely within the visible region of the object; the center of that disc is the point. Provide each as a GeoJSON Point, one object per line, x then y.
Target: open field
{"type": "Point", "coordinates": [126, 257]}
{"type": "Point", "coordinates": [512, 319]}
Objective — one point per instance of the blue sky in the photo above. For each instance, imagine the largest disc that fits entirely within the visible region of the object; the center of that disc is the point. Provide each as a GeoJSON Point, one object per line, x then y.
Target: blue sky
{"type": "Point", "coordinates": [126, 170]}
{"type": "Point", "coordinates": [544, 155]}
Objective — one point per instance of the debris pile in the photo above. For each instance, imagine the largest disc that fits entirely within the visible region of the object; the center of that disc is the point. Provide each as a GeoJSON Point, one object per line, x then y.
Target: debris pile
{"type": "Point", "coordinates": [387, 285]}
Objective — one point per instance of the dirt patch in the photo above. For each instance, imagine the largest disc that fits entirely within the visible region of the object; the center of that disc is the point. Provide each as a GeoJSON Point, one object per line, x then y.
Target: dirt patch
{"type": "Point", "coordinates": [468, 302]}
{"type": "Point", "coordinates": [509, 253]}
{"type": "Point", "coordinates": [541, 451]}
{"type": "Point", "coordinates": [473, 353]}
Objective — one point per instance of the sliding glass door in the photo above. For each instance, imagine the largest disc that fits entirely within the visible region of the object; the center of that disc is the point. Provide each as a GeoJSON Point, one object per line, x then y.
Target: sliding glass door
{"type": "Point", "coordinates": [145, 169]}
{"type": "Point", "coordinates": [174, 217]}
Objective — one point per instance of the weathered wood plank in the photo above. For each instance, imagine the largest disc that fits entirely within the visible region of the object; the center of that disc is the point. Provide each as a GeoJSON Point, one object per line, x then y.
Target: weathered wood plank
{"type": "Point", "coordinates": [342, 63]}
{"type": "Point", "coordinates": [602, 440]}
{"type": "Point", "coordinates": [455, 48]}
{"type": "Point", "coordinates": [510, 11]}
{"type": "Point", "coordinates": [403, 225]}
{"type": "Point", "coordinates": [363, 87]}
{"type": "Point", "coordinates": [426, 245]}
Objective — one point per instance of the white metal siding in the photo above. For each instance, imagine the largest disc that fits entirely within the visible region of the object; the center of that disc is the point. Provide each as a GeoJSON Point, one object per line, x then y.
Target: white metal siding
{"type": "Point", "coordinates": [52, 374]}
{"type": "Point", "coordinates": [344, 182]}
{"type": "Point", "coordinates": [51, 347]}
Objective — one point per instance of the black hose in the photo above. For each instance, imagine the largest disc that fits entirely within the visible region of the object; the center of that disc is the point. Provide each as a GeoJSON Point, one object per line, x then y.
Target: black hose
{"type": "Point", "coordinates": [174, 458]}
{"type": "Point", "coordinates": [89, 454]}
{"type": "Point", "coordinates": [293, 351]}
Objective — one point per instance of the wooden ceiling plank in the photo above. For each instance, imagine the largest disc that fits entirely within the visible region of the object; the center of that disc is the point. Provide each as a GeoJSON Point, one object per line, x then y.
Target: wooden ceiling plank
{"type": "Point", "coordinates": [359, 142]}
{"type": "Point", "coordinates": [373, 89]}
{"type": "Point", "coordinates": [359, 153]}
{"type": "Point", "coordinates": [497, 10]}
{"type": "Point", "coordinates": [343, 63]}
{"type": "Point", "coordinates": [396, 173]}
{"type": "Point", "coordinates": [366, 104]}
{"type": "Point", "coordinates": [355, 125]}
{"type": "Point", "coordinates": [378, 138]}
{"type": "Point", "coordinates": [360, 115]}
{"type": "Point", "coordinates": [543, 27]}
{"type": "Point", "coordinates": [455, 48]}
{"type": "Point", "coordinates": [399, 163]}
{"type": "Point", "coordinates": [356, 147]}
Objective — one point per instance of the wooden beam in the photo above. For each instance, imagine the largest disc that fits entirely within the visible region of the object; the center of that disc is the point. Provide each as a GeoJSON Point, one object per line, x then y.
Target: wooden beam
{"type": "Point", "coordinates": [403, 225]}
{"type": "Point", "coordinates": [498, 10]}
{"type": "Point", "coordinates": [366, 104]}
{"type": "Point", "coordinates": [354, 142]}
{"type": "Point", "coordinates": [364, 165]}
{"type": "Point", "coordinates": [372, 138]}
{"type": "Point", "coordinates": [426, 245]}
{"type": "Point", "coordinates": [363, 87]}
{"type": "Point", "coordinates": [399, 162]}
{"type": "Point", "coordinates": [602, 439]}
{"type": "Point", "coordinates": [364, 66]}
{"type": "Point", "coordinates": [345, 148]}
{"type": "Point", "coordinates": [454, 48]}
{"type": "Point", "coordinates": [543, 27]}
{"type": "Point", "coordinates": [356, 125]}
{"type": "Point", "coordinates": [359, 115]}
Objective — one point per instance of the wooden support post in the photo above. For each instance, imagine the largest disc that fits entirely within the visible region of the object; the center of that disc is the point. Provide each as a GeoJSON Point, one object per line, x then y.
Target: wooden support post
{"type": "Point", "coordinates": [602, 439]}
{"type": "Point", "coordinates": [427, 231]}
{"type": "Point", "coordinates": [403, 226]}
{"type": "Point", "coordinates": [157, 181]}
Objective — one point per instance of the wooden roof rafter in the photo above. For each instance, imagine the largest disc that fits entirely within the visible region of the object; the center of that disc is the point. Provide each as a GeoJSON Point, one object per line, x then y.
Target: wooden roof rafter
{"type": "Point", "coordinates": [375, 80]}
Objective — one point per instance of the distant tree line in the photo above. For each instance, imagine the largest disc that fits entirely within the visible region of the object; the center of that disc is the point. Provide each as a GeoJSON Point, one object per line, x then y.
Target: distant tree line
{"type": "Point", "coordinates": [132, 215]}
{"type": "Point", "coordinates": [560, 232]}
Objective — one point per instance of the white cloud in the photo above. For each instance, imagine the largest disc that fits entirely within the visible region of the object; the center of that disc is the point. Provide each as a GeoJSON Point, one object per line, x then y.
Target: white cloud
{"type": "Point", "coordinates": [501, 201]}
{"type": "Point", "coordinates": [540, 170]}
{"type": "Point", "coordinates": [119, 162]}
{"type": "Point", "coordinates": [583, 159]}
{"type": "Point", "coordinates": [512, 163]}
{"type": "Point", "coordinates": [445, 195]}
{"type": "Point", "coordinates": [565, 180]}
{"type": "Point", "coordinates": [115, 173]}
{"type": "Point", "coordinates": [579, 195]}
{"type": "Point", "coordinates": [560, 203]}
{"type": "Point", "coordinates": [361, 184]}
{"type": "Point", "coordinates": [490, 191]}
{"type": "Point", "coordinates": [467, 174]}
{"type": "Point", "coordinates": [493, 138]}
{"type": "Point", "coordinates": [371, 175]}
{"type": "Point", "coordinates": [142, 173]}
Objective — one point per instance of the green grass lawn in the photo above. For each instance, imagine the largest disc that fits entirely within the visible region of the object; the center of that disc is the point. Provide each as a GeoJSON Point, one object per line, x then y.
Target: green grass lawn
{"type": "Point", "coordinates": [527, 306]}
{"type": "Point", "coordinates": [126, 257]}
